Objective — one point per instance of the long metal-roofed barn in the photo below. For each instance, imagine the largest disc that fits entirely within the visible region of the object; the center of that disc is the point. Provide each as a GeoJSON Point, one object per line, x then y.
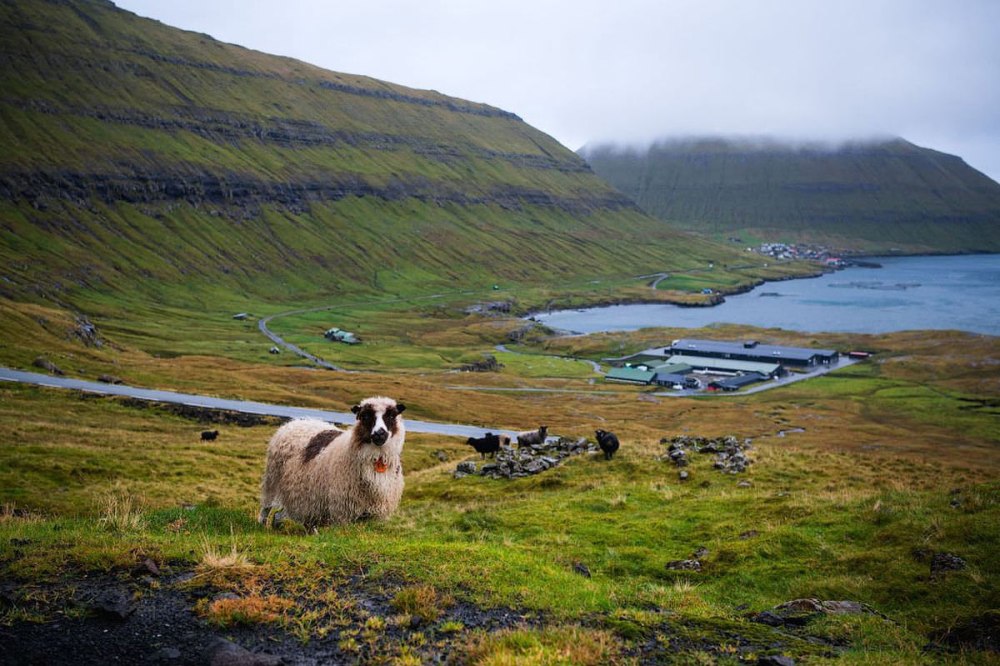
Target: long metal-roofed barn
{"type": "Point", "coordinates": [736, 383]}
{"type": "Point", "coordinates": [755, 352]}
{"type": "Point", "coordinates": [729, 366]}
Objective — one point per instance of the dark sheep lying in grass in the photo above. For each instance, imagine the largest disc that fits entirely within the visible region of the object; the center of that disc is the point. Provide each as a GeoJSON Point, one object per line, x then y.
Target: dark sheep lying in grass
{"type": "Point", "coordinates": [320, 475]}
{"type": "Point", "coordinates": [209, 435]}
{"type": "Point", "coordinates": [608, 443]}
{"type": "Point", "coordinates": [489, 443]}
{"type": "Point", "coordinates": [530, 437]}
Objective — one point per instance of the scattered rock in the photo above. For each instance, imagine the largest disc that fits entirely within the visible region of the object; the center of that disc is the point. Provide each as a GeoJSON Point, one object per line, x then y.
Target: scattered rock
{"type": "Point", "coordinates": [684, 565]}
{"type": "Point", "coordinates": [165, 655]}
{"type": "Point", "coordinates": [441, 455]}
{"type": "Point", "coordinates": [744, 484]}
{"type": "Point", "coordinates": [503, 307]}
{"type": "Point", "coordinates": [488, 364]}
{"type": "Point", "coordinates": [683, 475]}
{"type": "Point", "coordinates": [466, 467]}
{"type": "Point", "coordinates": [86, 332]}
{"type": "Point", "coordinates": [981, 632]}
{"type": "Point", "coordinates": [581, 569]}
{"type": "Point", "coordinates": [943, 562]}
{"type": "Point", "coordinates": [47, 365]}
{"type": "Point", "coordinates": [224, 653]}
{"type": "Point", "coordinates": [115, 604]}
{"type": "Point", "coordinates": [749, 534]}
{"type": "Point", "coordinates": [775, 660]}
{"type": "Point", "coordinates": [730, 452]}
{"type": "Point", "coordinates": [273, 350]}
{"type": "Point", "coordinates": [109, 379]}
{"type": "Point", "coordinates": [800, 612]}
{"type": "Point", "coordinates": [518, 463]}
{"type": "Point", "coordinates": [699, 553]}
{"type": "Point", "coordinates": [147, 567]}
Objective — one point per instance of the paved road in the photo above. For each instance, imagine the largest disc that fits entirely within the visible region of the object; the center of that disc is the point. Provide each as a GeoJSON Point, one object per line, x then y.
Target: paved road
{"type": "Point", "coordinates": [277, 339]}
{"type": "Point", "coordinates": [243, 406]}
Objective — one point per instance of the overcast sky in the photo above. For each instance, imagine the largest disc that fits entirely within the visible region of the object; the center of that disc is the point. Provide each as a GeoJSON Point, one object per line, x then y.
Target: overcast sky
{"type": "Point", "coordinates": [634, 70]}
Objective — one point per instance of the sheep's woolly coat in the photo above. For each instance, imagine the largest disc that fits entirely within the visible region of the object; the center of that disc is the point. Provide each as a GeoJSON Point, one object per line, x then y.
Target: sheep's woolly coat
{"type": "Point", "coordinates": [320, 475]}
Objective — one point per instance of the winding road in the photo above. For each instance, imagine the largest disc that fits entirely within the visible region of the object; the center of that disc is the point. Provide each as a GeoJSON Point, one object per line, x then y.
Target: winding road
{"type": "Point", "coordinates": [278, 340]}
{"type": "Point", "coordinates": [243, 406]}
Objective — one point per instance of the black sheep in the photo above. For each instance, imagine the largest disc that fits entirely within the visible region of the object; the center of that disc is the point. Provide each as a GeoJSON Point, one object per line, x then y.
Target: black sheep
{"type": "Point", "coordinates": [209, 435]}
{"type": "Point", "coordinates": [608, 443]}
{"type": "Point", "coordinates": [488, 444]}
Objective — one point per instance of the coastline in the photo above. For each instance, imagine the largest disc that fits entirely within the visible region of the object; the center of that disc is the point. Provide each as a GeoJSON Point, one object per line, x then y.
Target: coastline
{"type": "Point", "coordinates": [814, 309]}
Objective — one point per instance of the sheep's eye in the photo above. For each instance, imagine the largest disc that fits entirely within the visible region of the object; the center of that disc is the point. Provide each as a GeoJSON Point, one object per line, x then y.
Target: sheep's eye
{"type": "Point", "coordinates": [367, 417]}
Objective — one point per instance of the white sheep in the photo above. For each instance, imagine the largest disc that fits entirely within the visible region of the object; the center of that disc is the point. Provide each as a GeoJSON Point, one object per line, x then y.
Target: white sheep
{"type": "Point", "coordinates": [320, 475]}
{"type": "Point", "coordinates": [529, 437]}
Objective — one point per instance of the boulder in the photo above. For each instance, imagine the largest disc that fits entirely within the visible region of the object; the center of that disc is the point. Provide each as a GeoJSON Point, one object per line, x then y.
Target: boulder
{"type": "Point", "coordinates": [944, 562]}
{"type": "Point", "coordinates": [684, 565]}
{"type": "Point", "coordinates": [47, 365]}
{"type": "Point", "coordinates": [225, 653]}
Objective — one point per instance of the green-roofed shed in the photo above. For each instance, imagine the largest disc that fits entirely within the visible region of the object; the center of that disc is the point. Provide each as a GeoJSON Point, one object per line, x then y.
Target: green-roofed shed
{"type": "Point", "coordinates": [674, 368]}
{"type": "Point", "coordinates": [630, 375]}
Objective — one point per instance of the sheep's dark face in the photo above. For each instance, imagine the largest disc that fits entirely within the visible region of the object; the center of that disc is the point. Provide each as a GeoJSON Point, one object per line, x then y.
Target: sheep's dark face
{"type": "Point", "coordinates": [378, 420]}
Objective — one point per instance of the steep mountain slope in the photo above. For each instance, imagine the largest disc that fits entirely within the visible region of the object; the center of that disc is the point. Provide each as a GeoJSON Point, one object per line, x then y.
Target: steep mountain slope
{"type": "Point", "coordinates": [868, 196]}
{"type": "Point", "coordinates": [139, 158]}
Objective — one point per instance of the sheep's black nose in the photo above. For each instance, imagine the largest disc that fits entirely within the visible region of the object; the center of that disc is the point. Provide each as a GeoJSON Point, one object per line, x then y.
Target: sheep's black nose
{"type": "Point", "coordinates": [379, 437]}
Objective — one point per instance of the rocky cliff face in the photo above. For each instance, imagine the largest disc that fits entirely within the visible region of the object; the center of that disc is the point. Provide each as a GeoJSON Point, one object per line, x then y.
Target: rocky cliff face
{"type": "Point", "coordinates": [138, 153]}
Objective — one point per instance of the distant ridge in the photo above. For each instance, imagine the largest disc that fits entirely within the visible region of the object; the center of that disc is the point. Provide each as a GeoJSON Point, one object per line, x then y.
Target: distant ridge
{"type": "Point", "coordinates": [148, 161]}
{"type": "Point", "coordinates": [864, 196]}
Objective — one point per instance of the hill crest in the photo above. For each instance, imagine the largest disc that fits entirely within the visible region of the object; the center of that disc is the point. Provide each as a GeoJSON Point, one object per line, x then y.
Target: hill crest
{"type": "Point", "coordinates": [873, 195]}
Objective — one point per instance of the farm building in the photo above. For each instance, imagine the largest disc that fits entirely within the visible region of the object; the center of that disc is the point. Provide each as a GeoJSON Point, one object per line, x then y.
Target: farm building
{"type": "Point", "coordinates": [676, 381]}
{"type": "Point", "coordinates": [674, 368]}
{"type": "Point", "coordinates": [338, 335]}
{"type": "Point", "coordinates": [712, 365]}
{"type": "Point", "coordinates": [630, 375]}
{"type": "Point", "coordinates": [751, 350]}
{"type": "Point", "coordinates": [735, 383]}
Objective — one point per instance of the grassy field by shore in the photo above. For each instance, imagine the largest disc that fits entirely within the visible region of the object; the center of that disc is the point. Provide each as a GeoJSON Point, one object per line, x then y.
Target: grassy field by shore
{"type": "Point", "coordinates": [860, 479]}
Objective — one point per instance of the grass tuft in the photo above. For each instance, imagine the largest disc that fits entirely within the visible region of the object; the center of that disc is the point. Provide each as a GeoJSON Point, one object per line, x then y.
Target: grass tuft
{"type": "Point", "coordinates": [559, 645]}
{"type": "Point", "coordinates": [121, 511]}
{"type": "Point", "coordinates": [248, 610]}
{"type": "Point", "coordinates": [422, 601]}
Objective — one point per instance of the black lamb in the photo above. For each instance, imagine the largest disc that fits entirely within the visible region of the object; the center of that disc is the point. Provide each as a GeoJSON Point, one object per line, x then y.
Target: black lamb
{"type": "Point", "coordinates": [488, 444]}
{"type": "Point", "coordinates": [608, 443]}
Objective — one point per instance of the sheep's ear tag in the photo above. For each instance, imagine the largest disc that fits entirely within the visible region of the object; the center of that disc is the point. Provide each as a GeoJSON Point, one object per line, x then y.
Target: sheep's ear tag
{"type": "Point", "coordinates": [380, 465]}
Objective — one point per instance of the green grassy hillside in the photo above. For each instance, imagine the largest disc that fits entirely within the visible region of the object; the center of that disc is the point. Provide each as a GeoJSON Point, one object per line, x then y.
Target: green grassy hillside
{"type": "Point", "coordinates": [142, 159]}
{"type": "Point", "coordinates": [887, 196]}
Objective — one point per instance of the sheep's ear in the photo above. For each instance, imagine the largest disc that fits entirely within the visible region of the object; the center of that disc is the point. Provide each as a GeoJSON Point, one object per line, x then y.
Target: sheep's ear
{"type": "Point", "coordinates": [355, 409]}
{"type": "Point", "coordinates": [400, 408]}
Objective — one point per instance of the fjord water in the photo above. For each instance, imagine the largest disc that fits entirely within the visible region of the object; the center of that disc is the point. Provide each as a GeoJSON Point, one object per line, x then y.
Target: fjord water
{"type": "Point", "coordinates": [907, 293]}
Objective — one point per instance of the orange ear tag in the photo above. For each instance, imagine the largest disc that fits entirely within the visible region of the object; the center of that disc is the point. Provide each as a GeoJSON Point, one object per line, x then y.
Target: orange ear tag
{"type": "Point", "coordinates": [380, 465]}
